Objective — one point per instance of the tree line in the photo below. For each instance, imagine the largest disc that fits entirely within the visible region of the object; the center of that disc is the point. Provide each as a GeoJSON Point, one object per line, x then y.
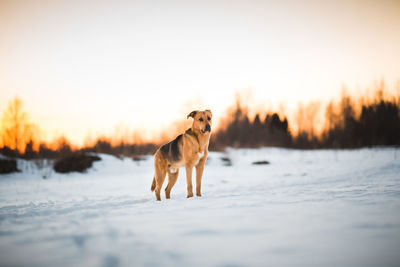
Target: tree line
{"type": "Point", "coordinates": [349, 123]}
{"type": "Point", "coordinates": [240, 131]}
{"type": "Point", "coordinates": [19, 137]}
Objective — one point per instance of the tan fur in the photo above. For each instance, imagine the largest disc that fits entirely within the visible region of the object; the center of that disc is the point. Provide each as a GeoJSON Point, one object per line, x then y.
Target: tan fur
{"type": "Point", "coordinates": [192, 145]}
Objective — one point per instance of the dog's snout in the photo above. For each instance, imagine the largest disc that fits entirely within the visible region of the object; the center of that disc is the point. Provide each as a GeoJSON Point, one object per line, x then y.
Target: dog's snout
{"type": "Point", "coordinates": [208, 127]}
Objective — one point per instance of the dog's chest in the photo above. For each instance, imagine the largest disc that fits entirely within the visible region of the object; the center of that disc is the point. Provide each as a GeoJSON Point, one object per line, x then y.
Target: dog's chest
{"type": "Point", "coordinates": [200, 155]}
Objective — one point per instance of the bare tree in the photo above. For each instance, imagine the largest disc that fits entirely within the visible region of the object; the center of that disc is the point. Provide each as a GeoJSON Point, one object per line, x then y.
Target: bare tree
{"type": "Point", "coordinates": [311, 115]}
{"type": "Point", "coordinates": [300, 119]}
{"type": "Point", "coordinates": [16, 130]}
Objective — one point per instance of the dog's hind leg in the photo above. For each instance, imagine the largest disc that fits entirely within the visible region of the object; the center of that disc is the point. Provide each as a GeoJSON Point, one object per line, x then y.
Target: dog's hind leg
{"type": "Point", "coordinates": [172, 177]}
{"type": "Point", "coordinates": [159, 177]}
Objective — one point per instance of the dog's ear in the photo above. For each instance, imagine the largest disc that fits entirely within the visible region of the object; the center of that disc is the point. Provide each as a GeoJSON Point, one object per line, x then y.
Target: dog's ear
{"type": "Point", "coordinates": [192, 114]}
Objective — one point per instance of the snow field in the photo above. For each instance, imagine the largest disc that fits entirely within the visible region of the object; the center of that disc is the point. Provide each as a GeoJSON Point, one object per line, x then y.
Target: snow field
{"type": "Point", "coordinates": [305, 208]}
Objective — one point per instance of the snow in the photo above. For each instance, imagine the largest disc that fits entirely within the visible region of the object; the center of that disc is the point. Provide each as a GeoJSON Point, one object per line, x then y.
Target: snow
{"type": "Point", "coordinates": [305, 208]}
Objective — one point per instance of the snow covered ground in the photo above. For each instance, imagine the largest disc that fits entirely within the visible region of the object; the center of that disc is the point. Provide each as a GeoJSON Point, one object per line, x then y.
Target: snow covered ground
{"type": "Point", "coordinates": [306, 208]}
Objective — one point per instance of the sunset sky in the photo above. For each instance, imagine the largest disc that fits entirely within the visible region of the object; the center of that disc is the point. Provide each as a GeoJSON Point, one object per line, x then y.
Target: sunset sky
{"type": "Point", "coordinates": [83, 67]}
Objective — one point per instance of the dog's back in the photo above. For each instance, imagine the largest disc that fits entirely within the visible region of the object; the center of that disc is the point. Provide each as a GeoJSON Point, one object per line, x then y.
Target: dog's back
{"type": "Point", "coordinates": [171, 151]}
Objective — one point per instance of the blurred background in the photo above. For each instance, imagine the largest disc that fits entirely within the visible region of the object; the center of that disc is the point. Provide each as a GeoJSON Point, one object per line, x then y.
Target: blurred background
{"type": "Point", "coordinates": [120, 77]}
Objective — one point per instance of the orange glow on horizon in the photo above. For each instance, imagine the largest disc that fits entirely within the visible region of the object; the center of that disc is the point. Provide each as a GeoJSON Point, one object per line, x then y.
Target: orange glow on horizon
{"type": "Point", "coordinates": [309, 117]}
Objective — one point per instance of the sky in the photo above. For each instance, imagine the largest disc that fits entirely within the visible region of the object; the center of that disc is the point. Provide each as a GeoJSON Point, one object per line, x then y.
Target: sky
{"type": "Point", "coordinates": [84, 67]}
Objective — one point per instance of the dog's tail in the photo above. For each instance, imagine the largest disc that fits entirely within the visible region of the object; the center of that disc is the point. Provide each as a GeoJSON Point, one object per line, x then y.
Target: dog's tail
{"type": "Point", "coordinates": [153, 185]}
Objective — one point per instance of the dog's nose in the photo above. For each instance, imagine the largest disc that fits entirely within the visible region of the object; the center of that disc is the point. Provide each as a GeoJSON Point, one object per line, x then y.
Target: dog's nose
{"type": "Point", "coordinates": [208, 127]}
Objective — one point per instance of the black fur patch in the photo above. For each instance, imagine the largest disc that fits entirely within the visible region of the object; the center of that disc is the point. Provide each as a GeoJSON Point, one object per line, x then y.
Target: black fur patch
{"type": "Point", "coordinates": [171, 150]}
{"type": "Point", "coordinates": [190, 132]}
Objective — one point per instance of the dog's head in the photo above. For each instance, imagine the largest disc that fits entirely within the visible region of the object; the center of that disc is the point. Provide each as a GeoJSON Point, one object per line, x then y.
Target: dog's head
{"type": "Point", "coordinates": [202, 121]}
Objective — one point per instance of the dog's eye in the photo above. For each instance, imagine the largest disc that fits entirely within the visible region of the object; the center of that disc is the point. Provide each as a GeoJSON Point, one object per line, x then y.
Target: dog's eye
{"type": "Point", "coordinates": [201, 119]}
{"type": "Point", "coordinates": [208, 118]}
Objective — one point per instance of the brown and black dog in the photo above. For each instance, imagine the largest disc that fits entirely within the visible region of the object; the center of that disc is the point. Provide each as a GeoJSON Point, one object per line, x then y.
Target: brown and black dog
{"type": "Point", "coordinates": [188, 150]}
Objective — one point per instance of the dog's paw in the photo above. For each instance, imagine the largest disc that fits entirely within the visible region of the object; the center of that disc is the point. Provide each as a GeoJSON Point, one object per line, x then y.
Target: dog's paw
{"type": "Point", "coordinates": [189, 195]}
{"type": "Point", "coordinates": [198, 194]}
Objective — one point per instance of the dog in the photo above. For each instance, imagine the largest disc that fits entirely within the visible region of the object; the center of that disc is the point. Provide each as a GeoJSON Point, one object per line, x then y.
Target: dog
{"type": "Point", "coordinates": [188, 150]}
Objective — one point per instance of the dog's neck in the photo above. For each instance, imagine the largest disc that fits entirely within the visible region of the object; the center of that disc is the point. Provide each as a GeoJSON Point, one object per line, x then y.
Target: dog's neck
{"type": "Point", "coordinates": [202, 139]}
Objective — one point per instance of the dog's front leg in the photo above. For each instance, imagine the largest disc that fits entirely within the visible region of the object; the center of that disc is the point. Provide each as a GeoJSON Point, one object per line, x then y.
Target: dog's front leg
{"type": "Point", "coordinates": [199, 174]}
{"type": "Point", "coordinates": [189, 169]}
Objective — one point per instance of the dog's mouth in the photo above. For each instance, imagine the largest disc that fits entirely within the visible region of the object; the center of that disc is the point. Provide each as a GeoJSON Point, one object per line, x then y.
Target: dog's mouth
{"type": "Point", "coordinates": [207, 129]}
